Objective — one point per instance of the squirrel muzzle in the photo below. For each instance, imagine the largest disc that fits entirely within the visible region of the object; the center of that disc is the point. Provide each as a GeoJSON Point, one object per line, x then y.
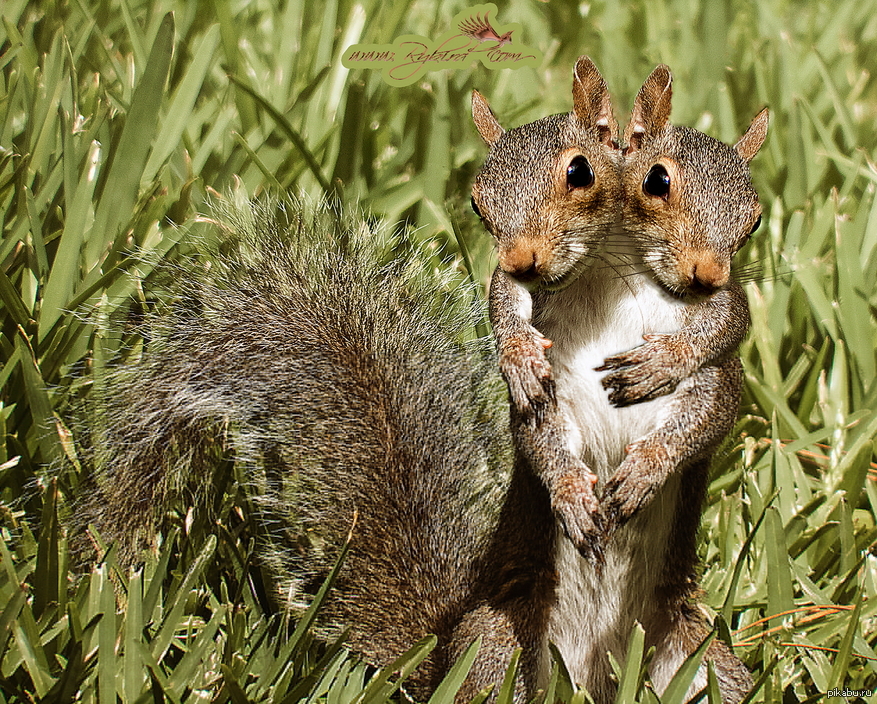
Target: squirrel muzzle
{"type": "Point", "coordinates": [702, 272]}
{"type": "Point", "coordinates": [521, 263]}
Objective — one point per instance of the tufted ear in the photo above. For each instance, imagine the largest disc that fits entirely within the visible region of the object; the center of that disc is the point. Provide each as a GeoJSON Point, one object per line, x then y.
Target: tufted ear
{"type": "Point", "coordinates": [651, 109]}
{"type": "Point", "coordinates": [749, 144]}
{"type": "Point", "coordinates": [592, 105]}
{"type": "Point", "coordinates": [485, 120]}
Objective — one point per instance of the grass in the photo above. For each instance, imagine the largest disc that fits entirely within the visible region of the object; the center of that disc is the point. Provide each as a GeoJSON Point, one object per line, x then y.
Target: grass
{"type": "Point", "coordinates": [117, 118]}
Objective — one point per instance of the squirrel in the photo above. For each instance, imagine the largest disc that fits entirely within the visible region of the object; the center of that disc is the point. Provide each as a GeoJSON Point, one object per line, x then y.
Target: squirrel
{"type": "Point", "coordinates": [601, 248]}
{"type": "Point", "coordinates": [325, 360]}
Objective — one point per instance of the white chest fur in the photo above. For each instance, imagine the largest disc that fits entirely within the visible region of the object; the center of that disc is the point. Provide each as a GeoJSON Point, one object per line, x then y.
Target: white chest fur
{"type": "Point", "coordinates": [598, 316]}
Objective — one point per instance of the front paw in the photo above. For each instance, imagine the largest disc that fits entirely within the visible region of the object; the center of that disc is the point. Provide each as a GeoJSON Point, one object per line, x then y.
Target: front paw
{"type": "Point", "coordinates": [631, 487]}
{"type": "Point", "coordinates": [527, 372]}
{"type": "Point", "coordinates": [575, 505]}
{"type": "Point", "coordinates": [646, 372]}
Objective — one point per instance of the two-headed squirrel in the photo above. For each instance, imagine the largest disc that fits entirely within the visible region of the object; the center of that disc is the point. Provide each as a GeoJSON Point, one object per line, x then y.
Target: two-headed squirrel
{"type": "Point", "coordinates": [600, 248]}
{"type": "Point", "coordinates": [350, 393]}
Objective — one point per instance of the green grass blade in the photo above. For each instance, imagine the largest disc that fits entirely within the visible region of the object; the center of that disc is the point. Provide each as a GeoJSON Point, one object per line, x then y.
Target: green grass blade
{"type": "Point", "coordinates": [129, 158]}
{"type": "Point", "coordinates": [177, 601]}
{"type": "Point", "coordinates": [13, 303]}
{"type": "Point", "coordinates": [197, 653]}
{"type": "Point", "coordinates": [779, 576]}
{"type": "Point", "coordinates": [728, 602]}
{"type": "Point", "coordinates": [134, 624]}
{"type": "Point", "coordinates": [63, 276]}
{"type": "Point", "coordinates": [685, 675]}
{"type": "Point", "coordinates": [9, 616]}
{"type": "Point", "coordinates": [180, 110]}
{"type": "Point", "coordinates": [46, 576]}
{"type": "Point", "coordinates": [108, 664]}
{"type": "Point", "coordinates": [630, 675]}
{"type": "Point", "coordinates": [287, 129]}
{"type": "Point", "coordinates": [27, 638]}
{"type": "Point", "coordinates": [448, 687]}
{"type": "Point", "coordinates": [380, 689]}
{"type": "Point", "coordinates": [506, 694]}
{"type": "Point", "coordinates": [39, 401]}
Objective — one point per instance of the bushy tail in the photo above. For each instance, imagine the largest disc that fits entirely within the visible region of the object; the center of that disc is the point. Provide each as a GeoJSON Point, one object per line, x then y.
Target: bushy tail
{"type": "Point", "coordinates": [330, 360]}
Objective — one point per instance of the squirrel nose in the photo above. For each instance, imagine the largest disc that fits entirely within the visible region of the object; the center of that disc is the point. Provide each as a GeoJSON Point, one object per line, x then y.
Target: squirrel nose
{"type": "Point", "coordinates": [708, 276]}
{"type": "Point", "coordinates": [520, 263]}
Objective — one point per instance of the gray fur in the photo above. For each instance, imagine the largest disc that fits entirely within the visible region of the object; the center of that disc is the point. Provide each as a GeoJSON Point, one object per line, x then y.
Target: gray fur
{"type": "Point", "coordinates": [328, 360]}
{"type": "Point", "coordinates": [586, 272]}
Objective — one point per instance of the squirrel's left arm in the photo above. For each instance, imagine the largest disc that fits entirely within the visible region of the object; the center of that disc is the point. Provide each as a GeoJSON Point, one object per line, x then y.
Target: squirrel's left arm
{"type": "Point", "coordinates": [715, 328]}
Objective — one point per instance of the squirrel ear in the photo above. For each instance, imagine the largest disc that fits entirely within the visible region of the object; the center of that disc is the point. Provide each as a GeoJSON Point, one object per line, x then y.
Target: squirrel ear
{"type": "Point", "coordinates": [749, 144]}
{"type": "Point", "coordinates": [651, 109]}
{"type": "Point", "coordinates": [591, 103]}
{"type": "Point", "coordinates": [485, 120]}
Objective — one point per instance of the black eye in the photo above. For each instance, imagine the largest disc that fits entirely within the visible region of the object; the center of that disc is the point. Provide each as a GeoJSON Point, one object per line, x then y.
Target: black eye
{"type": "Point", "coordinates": [657, 182]}
{"type": "Point", "coordinates": [579, 173]}
{"type": "Point", "coordinates": [475, 206]}
{"type": "Point", "coordinates": [756, 225]}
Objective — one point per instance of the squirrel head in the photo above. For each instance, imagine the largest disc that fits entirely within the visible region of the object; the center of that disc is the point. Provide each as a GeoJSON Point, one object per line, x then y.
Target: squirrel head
{"type": "Point", "coordinates": [688, 199]}
{"type": "Point", "coordinates": [549, 190]}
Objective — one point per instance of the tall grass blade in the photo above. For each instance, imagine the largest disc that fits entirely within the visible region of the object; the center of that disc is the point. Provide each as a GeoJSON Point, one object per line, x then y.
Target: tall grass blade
{"type": "Point", "coordinates": [444, 693]}
{"type": "Point", "coordinates": [128, 160]}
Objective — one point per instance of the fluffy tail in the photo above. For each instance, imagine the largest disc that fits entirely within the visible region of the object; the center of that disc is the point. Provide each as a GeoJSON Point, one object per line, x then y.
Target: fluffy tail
{"type": "Point", "coordinates": [330, 360]}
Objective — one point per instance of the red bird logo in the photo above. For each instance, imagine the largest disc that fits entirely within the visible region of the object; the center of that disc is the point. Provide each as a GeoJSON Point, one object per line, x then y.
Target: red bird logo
{"type": "Point", "coordinates": [478, 27]}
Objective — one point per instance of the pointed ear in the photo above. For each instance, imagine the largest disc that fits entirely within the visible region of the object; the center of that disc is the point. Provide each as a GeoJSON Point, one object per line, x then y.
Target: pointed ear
{"type": "Point", "coordinates": [651, 109]}
{"type": "Point", "coordinates": [749, 144]}
{"type": "Point", "coordinates": [485, 120]}
{"type": "Point", "coordinates": [591, 103]}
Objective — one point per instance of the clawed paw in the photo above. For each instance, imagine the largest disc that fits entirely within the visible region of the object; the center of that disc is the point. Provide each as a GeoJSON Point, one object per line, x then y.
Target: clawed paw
{"type": "Point", "coordinates": [627, 491]}
{"type": "Point", "coordinates": [576, 506]}
{"type": "Point", "coordinates": [645, 372]}
{"type": "Point", "coordinates": [527, 371]}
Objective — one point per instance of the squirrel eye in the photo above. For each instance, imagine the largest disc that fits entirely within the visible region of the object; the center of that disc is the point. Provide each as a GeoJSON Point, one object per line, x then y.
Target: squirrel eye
{"type": "Point", "coordinates": [745, 238]}
{"type": "Point", "coordinates": [756, 225]}
{"type": "Point", "coordinates": [579, 173]}
{"type": "Point", "coordinates": [657, 182]}
{"type": "Point", "coordinates": [475, 206]}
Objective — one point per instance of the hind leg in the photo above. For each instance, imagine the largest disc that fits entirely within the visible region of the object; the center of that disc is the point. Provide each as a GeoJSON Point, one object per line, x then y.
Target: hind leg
{"type": "Point", "coordinates": [677, 627]}
{"type": "Point", "coordinates": [502, 630]}
{"type": "Point", "coordinates": [683, 637]}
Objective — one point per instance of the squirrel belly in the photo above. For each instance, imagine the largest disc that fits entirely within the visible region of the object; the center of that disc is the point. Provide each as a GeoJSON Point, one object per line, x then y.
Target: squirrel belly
{"type": "Point", "coordinates": [595, 610]}
{"type": "Point", "coordinates": [604, 312]}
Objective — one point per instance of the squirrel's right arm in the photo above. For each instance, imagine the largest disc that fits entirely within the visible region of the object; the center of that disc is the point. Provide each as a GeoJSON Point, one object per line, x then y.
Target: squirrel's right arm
{"type": "Point", "coordinates": [536, 420]}
{"type": "Point", "coordinates": [520, 346]}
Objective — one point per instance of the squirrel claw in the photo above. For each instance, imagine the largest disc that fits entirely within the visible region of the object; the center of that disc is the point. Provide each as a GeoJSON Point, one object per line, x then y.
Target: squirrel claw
{"type": "Point", "coordinates": [625, 394]}
{"type": "Point", "coordinates": [645, 372]}
{"type": "Point", "coordinates": [575, 505]}
{"type": "Point", "coordinates": [527, 371]}
{"type": "Point", "coordinates": [630, 488]}
{"type": "Point", "coordinates": [591, 549]}
{"type": "Point", "coordinates": [587, 540]}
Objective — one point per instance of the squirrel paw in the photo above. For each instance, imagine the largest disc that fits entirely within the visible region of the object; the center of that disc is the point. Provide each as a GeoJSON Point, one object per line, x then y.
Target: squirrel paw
{"type": "Point", "coordinates": [630, 488]}
{"type": "Point", "coordinates": [646, 372]}
{"type": "Point", "coordinates": [527, 371]}
{"type": "Point", "coordinates": [575, 504]}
